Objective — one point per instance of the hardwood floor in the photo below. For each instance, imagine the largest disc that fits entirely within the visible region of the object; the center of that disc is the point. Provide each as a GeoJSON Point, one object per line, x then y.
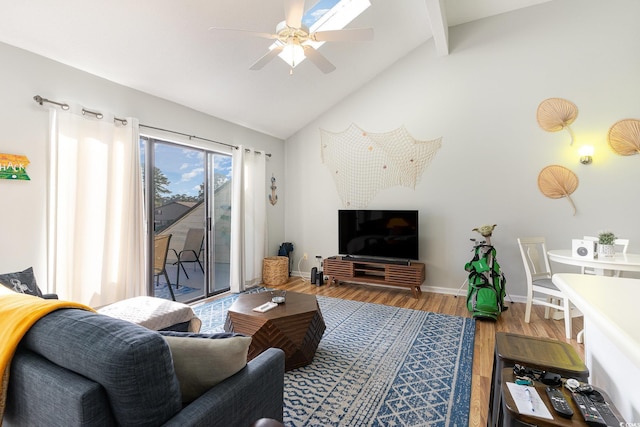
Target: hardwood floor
{"type": "Point", "coordinates": [512, 320]}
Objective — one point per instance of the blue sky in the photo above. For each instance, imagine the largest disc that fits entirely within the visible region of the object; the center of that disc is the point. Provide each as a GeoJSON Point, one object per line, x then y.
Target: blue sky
{"type": "Point", "coordinates": [319, 9]}
{"type": "Point", "coordinates": [184, 167]}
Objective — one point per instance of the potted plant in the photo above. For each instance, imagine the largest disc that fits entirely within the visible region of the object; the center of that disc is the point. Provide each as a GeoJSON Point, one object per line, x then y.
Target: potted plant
{"type": "Point", "coordinates": [606, 240]}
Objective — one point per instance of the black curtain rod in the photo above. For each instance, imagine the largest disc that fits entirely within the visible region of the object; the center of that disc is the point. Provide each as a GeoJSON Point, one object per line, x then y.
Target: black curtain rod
{"type": "Point", "coordinates": [40, 100]}
{"type": "Point", "coordinates": [195, 137]}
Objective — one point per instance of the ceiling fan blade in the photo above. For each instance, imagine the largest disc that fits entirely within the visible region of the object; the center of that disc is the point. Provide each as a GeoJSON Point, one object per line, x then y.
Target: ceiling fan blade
{"type": "Point", "coordinates": [266, 58]}
{"type": "Point", "coordinates": [293, 11]}
{"type": "Point", "coordinates": [244, 33]}
{"type": "Point", "coordinates": [346, 35]}
{"type": "Point", "coordinates": [320, 61]}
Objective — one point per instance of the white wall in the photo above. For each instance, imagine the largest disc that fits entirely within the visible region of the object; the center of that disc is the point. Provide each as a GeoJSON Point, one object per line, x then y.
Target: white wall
{"type": "Point", "coordinates": [24, 131]}
{"type": "Point", "coordinates": [482, 100]}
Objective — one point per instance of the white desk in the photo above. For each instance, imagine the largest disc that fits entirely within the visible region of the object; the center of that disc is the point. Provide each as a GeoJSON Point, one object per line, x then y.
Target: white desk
{"type": "Point", "coordinates": [620, 262]}
{"type": "Point", "coordinates": [612, 336]}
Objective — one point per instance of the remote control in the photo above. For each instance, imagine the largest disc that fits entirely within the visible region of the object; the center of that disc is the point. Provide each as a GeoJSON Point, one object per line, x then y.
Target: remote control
{"type": "Point", "coordinates": [559, 403]}
{"type": "Point", "coordinates": [589, 412]}
{"type": "Point", "coordinates": [603, 407]}
{"type": "Point", "coordinates": [265, 307]}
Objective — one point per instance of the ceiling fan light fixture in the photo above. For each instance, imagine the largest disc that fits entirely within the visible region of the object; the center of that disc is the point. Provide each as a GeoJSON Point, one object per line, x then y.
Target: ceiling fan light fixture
{"type": "Point", "coordinates": [292, 54]}
{"type": "Point", "coordinates": [295, 41]}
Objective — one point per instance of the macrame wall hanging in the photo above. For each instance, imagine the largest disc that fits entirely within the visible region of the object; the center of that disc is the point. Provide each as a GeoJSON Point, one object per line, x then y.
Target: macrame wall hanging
{"type": "Point", "coordinates": [363, 163]}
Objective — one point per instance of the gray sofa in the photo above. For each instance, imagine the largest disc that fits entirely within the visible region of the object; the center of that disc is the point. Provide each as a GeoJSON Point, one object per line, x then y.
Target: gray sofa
{"type": "Point", "coordinates": [78, 368]}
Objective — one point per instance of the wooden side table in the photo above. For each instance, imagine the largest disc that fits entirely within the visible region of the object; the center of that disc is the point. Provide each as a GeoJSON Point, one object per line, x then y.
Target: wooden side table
{"type": "Point", "coordinates": [538, 353]}
{"type": "Point", "coordinates": [295, 326]}
{"type": "Point", "coordinates": [513, 417]}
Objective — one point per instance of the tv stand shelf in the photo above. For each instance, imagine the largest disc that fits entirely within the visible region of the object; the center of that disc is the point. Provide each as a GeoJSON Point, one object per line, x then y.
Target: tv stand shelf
{"type": "Point", "coordinates": [347, 269]}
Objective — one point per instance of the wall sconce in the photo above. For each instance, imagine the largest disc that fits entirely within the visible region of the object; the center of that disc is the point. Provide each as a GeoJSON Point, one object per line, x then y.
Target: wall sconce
{"type": "Point", "coordinates": [586, 154]}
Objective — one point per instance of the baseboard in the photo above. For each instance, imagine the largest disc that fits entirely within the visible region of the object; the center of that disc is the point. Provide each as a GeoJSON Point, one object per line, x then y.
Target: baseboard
{"type": "Point", "coordinates": [463, 292]}
{"type": "Point", "coordinates": [434, 289]}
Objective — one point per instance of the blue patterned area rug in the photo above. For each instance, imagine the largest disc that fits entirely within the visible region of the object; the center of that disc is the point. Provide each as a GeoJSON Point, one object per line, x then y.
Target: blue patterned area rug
{"type": "Point", "coordinates": [378, 366]}
{"type": "Point", "coordinates": [162, 291]}
{"type": "Point", "coordinates": [214, 313]}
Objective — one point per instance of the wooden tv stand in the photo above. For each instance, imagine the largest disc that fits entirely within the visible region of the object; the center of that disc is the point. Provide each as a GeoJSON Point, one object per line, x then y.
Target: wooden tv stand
{"type": "Point", "coordinates": [349, 269]}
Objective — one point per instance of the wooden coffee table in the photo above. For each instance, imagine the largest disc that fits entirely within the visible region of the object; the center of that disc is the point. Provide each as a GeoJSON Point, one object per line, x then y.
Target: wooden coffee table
{"type": "Point", "coordinates": [295, 326]}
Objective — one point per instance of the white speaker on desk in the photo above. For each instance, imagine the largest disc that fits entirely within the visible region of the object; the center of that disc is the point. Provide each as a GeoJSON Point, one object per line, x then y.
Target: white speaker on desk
{"type": "Point", "coordinates": [583, 248]}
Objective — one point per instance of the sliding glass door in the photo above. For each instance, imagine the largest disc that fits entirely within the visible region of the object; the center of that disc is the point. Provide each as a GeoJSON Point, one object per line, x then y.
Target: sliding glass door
{"type": "Point", "coordinates": [189, 205]}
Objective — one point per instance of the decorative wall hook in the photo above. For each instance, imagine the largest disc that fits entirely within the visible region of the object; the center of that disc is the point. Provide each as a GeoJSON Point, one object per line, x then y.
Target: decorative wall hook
{"type": "Point", "coordinates": [273, 198]}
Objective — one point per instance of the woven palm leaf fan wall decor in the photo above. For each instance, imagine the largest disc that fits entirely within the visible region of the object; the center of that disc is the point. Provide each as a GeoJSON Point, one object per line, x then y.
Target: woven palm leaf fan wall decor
{"type": "Point", "coordinates": [624, 137]}
{"type": "Point", "coordinates": [555, 114]}
{"type": "Point", "coordinates": [557, 182]}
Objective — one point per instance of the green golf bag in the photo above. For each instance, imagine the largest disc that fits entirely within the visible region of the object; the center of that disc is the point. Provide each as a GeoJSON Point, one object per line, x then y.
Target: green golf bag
{"type": "Point", "coordinates": [486, 292]}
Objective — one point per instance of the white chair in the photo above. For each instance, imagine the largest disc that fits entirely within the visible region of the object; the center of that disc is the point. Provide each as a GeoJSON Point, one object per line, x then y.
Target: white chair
{"type": "Point", "coordinates": [624, 243]}
{"type": "Point", "coordinates": [621, 244]}
{"type": "Point", "coordinates": [540, 288]}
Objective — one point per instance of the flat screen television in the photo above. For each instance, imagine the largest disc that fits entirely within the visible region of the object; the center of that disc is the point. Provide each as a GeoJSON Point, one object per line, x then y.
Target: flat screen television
{"type": "Point", "coordinates": [389, 234]}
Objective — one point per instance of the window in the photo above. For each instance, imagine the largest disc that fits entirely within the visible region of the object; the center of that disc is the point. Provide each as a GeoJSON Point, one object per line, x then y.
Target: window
{"type": "Point", "coordinates": [191, 201]}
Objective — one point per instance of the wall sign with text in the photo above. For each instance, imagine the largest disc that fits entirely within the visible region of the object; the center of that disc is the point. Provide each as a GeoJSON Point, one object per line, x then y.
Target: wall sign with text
{"type": "Point", "coordinates": [13, 166]}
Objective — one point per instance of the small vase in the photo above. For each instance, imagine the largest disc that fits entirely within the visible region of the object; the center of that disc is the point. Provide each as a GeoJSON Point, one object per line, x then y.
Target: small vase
{"type": "Point", "coordinates": [606, 250]}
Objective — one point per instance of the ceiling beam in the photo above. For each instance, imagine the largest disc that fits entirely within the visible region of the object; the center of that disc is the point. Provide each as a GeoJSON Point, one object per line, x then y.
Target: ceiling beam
{"type": "Point", "coordinates": [439, 27]}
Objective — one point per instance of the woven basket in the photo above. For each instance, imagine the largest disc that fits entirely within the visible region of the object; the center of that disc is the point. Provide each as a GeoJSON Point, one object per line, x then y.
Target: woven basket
{"type": "Point", "coordinates": [275, 270]}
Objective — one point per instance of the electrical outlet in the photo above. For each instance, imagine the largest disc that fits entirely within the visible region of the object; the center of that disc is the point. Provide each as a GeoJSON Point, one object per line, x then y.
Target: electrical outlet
{"type": "Point", "coordinates": [305, 256]}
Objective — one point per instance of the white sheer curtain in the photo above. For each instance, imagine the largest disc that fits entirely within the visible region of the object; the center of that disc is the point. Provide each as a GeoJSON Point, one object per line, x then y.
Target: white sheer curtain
{"type": "Point", "coordinates": [96, 225]}
{"type": "Point", "coordinates": [248, 218]}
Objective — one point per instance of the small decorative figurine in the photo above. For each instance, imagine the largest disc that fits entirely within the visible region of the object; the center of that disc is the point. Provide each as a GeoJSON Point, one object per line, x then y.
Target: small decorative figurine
{"type": "Point", "coordinates": [486, 231]}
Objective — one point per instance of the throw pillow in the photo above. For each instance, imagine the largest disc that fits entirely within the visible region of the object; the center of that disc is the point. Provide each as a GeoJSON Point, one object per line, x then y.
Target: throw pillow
{"type": "Point", "coordinates": [202, 361]}
{"type": "Point", "coordinates": [23, 282]}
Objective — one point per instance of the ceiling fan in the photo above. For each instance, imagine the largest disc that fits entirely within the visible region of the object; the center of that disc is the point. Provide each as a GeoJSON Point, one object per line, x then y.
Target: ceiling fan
{"type": "Point", "coordinates": [294, 38]}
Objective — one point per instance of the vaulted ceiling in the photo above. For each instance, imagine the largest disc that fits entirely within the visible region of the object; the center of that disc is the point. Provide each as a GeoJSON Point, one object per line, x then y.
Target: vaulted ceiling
{"type": "Point", "coordinates": [165, 48]}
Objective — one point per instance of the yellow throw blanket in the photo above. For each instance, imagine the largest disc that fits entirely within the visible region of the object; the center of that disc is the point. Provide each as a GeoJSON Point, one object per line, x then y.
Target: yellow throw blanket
{"type": "Point", "coordinates": [18, 312]}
